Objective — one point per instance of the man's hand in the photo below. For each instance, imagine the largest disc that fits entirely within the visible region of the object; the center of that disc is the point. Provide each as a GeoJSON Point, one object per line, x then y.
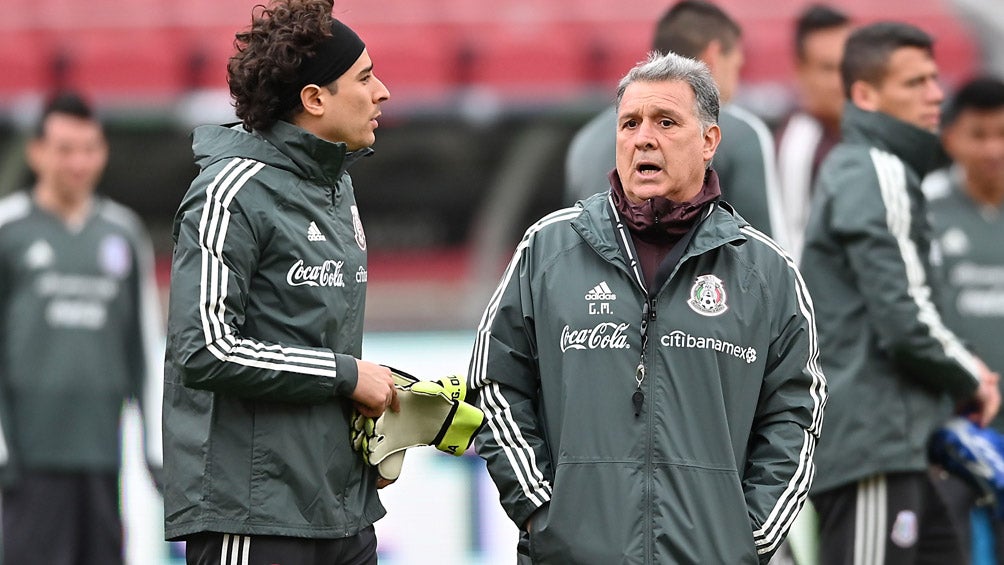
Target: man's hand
{"type": "Point", "coordinates": [430, 413]}
{"type": "Point", "coordinates": [529, 521]}
{"type": "Point", "coordinates": [374, 390]}
{"type": "Point", "coordinates": [987, 400]}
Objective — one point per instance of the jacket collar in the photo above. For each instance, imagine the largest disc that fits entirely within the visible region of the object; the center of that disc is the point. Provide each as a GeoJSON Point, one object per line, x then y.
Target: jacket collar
{"type": "Point", "coordinates": [283, 145]}
{"type": "Point", "coordinates": [919, 149]}
{"type": "Point", "coordinates": [659, 218]}
{"type": "Point", "coordinates": [317, 159]}
{"type": "Point", "coordinates": [594, 225]}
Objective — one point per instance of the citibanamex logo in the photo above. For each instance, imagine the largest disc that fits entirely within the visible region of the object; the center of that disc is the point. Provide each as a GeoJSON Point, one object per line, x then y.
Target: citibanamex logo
{"type": "Point", "coordinates": [328, 273]}
{"type": "Point", "coordinates": [606, 335]}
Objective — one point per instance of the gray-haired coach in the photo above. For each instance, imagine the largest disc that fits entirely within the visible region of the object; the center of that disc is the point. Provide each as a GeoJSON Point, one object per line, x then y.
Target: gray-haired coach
{"type": "Point", "coordinates": [648, 361]}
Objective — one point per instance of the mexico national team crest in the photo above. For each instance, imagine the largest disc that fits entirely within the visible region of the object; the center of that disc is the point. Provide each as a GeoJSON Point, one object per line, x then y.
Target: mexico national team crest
{"type": "Point", "coordinates": [357, 226]}
{"type": "Point", "coordinates": [707, 296]}
{"type": "Point", "coordinates": [114, 256]}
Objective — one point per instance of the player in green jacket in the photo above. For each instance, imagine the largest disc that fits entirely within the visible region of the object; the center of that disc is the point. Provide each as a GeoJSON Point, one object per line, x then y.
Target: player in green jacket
{"type": "Point", "coordinates": [891, 362]}
{"type": "Point", "coordinates": [647, 365]}
{"type": "Point", "coordinates": [80, 333]}
{"type": "Point", "coordinates": [268, 291]}
{"type": "Point", "coordinates": [966, 203]}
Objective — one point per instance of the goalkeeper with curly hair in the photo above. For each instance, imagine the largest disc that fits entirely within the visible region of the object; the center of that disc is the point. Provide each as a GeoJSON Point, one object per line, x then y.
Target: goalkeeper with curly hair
{"type": "Point", "coordinates": [268, 290]}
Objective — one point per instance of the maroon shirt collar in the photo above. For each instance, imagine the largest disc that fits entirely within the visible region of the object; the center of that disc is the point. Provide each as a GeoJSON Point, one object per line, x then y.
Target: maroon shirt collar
{"type": "Point", "coordinates": [660, 218]}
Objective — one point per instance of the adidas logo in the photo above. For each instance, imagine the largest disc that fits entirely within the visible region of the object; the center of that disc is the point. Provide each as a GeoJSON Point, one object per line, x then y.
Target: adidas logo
{"type": "Point", "coordinates": [601, 292]}
{"type": "Point", "coordinates": [314, 234]}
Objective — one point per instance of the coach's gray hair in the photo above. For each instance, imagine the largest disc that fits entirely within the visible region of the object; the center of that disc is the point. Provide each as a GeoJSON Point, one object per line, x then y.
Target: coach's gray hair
{"type": "Point", "coordinates": [659, 67]}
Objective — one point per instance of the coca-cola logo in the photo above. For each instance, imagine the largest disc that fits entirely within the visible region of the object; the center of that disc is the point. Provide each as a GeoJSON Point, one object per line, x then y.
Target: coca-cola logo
{"type": "Point", "coordinates": [606, 335]}
{"type": "Point", "coordinates": [328, 273]}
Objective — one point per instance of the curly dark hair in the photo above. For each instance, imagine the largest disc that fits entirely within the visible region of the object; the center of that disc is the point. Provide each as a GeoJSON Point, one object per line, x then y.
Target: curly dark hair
{"type": "Point", "coordinates": [263, 70]}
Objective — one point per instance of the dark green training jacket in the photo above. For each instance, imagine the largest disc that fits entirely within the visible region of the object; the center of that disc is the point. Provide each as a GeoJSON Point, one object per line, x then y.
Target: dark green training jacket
{"type": "Point", "coordinates": [717, 463]}
{"type": "Point", "coordinates": [80, 333]}
{"type": "Point", "coordinates": [887, 355]}
{"type": "Point", "coordinates": [971, 235]}
{"type": "Point", "coordinates": [267, 296]}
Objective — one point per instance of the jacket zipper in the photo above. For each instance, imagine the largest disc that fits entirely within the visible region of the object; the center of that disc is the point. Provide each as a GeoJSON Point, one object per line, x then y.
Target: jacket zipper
{"type": "Point", "coordinates": [647, 316]}
{"type": "Point", "coordinates": [638, 398]}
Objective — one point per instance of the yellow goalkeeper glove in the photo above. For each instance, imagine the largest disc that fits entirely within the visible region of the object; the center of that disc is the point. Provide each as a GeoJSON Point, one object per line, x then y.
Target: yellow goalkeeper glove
{"type": "Point", "coordinates": [432, 413]}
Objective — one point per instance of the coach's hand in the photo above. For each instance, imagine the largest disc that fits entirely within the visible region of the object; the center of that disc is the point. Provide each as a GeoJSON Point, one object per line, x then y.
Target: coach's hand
{"type": "Point", "coordinates": [987, 399]}
{"type": "Point", "coordinates": [374, 390]}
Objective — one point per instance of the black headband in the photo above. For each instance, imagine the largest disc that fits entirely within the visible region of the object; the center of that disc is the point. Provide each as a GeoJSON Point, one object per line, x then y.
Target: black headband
{"type": "Point", "coordinates": [331, 58]}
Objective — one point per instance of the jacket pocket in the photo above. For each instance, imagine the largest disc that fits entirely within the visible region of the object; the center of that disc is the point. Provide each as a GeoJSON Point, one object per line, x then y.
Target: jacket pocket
{"type": "Point", "coordinates": [594, 517]}
{"type": "Point", "coordinates": [536, 525]}
{"type": "Point", "coordinates": [699, 515]}
{"type": "Point", "coordinates": [303, 468]}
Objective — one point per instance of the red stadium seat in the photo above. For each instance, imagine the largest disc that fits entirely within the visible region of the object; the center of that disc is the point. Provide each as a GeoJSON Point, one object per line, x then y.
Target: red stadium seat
{"type": "Point", "coordinates": [417, 56]}
{"type": "Point", "coordinates": [424, 47]}
{"type": "Point", "coordinates": [25, 62]}
{"type": "Point", "coordinates": [122, 62]}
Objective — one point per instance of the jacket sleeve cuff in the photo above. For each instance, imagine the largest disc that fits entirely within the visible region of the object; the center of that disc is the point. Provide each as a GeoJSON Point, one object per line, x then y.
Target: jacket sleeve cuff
{"type": "Point", "coordinates": [964, 388]}
{"type": "Point", "coordinates": [347, 374]}
{"type": "Point", "coordinates": [523, 512]}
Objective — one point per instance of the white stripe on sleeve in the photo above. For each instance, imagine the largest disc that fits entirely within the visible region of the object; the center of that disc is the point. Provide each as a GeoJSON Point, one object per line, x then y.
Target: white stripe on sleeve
{"type": "Point", "coordinates": [892, 185]}
{"type": "Point", "coordinates": [769, 535]}
{"type": "Point", "coordinates": [213, 287]}
{"type": "Point", "coordinates": [498, 415]}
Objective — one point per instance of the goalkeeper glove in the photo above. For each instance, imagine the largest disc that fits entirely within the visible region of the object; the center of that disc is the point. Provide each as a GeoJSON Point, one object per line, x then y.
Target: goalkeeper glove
{"type": "Point", "coordinates": [363, 429]}
{"type": "Point", "coordinates": [432, 413]}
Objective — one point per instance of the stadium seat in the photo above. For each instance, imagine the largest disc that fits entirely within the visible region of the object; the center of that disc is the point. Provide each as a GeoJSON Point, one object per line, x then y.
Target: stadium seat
{"type": "Point", "coordinates": [429, 47]}
{"type": "Point", "coordinates": [121, 63]}
{"type": "Point", "coordinates": [25, 62]}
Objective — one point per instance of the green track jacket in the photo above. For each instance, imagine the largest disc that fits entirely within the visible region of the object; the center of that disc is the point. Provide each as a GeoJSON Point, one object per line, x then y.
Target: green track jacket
{"type": "Point", "coordinates": [970, 236]}
{"type": "Point", "coordinates": [268, 289]}
{"type": "Point", "coordinates": [719, 460]}
{"type": "Point", "coordinates": [80, 333]}
{"type": "Point", "coordinates": [887, 355]}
